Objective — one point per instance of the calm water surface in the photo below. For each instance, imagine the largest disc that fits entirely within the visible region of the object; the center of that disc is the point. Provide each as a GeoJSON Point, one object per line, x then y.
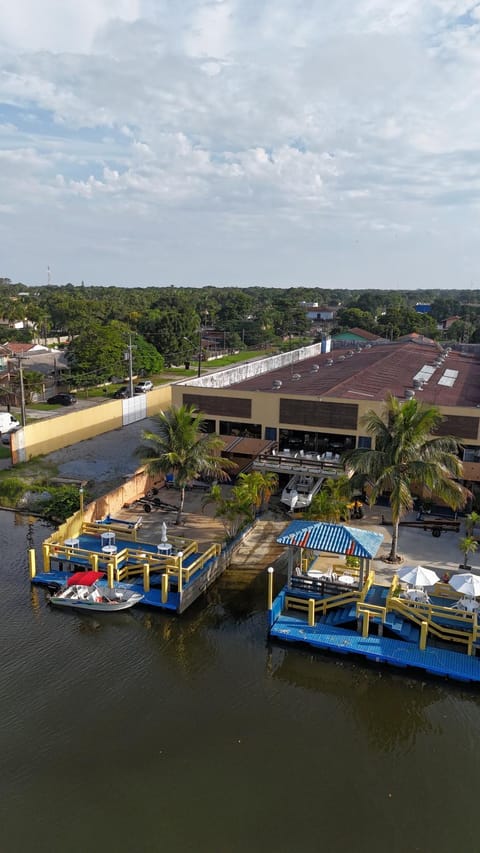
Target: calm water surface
{"type": "Point", "coordinates": [147, 732]}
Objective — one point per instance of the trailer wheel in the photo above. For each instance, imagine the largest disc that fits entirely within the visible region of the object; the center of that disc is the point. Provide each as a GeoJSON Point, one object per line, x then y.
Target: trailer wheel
{"type": "Point", "coordinates": [147, 507]}
{"type": "Point", "coordinates": [436, 531]}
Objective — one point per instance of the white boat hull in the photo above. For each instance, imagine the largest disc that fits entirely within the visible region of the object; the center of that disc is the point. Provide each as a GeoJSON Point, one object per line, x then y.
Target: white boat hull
{"type": "Point", "coordinates": [98, 599]}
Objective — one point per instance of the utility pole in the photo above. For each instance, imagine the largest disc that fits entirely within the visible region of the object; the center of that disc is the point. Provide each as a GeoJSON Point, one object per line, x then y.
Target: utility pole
{"type": "Point", "coordinates": [130, 366]}
{"type": "Point", "coordinates": [22, 392]}
{"type": "Point", "coordinates": [199, 372]}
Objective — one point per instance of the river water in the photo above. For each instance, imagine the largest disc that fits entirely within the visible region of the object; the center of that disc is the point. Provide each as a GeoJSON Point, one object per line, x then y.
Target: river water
{"type": "Point", "coordinates": [147, 732]}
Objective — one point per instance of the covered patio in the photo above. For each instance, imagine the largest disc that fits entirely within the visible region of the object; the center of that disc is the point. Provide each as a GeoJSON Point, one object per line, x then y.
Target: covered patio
{"type": "Point", "coordinates": [313, 545]}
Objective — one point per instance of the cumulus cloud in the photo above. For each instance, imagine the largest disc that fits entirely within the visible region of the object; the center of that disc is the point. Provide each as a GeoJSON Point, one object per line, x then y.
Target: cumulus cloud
{"type": "Point", "coordinates": [276, 138]}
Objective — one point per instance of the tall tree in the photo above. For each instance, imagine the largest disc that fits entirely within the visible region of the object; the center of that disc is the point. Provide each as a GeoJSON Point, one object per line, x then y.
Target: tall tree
{"type": "Point", "coordinates": [408, 455]}
{"type": "Point", "coordinates": [182, 447]}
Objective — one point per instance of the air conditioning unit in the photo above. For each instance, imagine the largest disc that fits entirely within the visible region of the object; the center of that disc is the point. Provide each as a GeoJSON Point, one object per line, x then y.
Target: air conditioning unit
{"type": "Point", "coordinates": [276, 384]}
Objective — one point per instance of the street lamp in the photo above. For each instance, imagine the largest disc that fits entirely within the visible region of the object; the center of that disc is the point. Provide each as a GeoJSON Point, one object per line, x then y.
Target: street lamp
{"type": "Point", "coordinates": [199, 371]}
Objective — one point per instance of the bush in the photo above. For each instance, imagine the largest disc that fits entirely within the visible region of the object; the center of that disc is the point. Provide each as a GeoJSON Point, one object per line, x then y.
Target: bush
{"type": "Point", "coordinates": [63, 502]}
{"type": "Point", "coordinates": [11, 490]}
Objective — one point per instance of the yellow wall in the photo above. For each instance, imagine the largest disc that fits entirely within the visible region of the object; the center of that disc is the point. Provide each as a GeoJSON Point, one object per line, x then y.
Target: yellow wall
{"type": "Point", "coordinates": [45, 436]}
{"type": "Point", "coordinates": [266, 409]}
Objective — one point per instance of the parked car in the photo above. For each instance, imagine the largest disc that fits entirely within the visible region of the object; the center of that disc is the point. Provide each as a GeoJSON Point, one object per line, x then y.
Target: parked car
{"type": "Point", "coordinates": [62, 399]}
{"type": "Point", "coordinates": [143, 387]}
{"type": "Point", "coordinates": [121, 393]}
{"type": "Point", "coordinates": [8, 423]}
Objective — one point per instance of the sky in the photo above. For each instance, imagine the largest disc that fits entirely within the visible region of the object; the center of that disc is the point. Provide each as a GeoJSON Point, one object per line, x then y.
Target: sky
{"type": "Point", "coordinates": [330, 143]}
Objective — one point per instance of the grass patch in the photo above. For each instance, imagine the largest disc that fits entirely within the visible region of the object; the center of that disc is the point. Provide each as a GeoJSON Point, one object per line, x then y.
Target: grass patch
{"type": "Point", "coordinates": [4, 451]}
{"type": "Point", "coordinates": [11, 490]}
{"type": "Point", "coordinates": [41, 407]}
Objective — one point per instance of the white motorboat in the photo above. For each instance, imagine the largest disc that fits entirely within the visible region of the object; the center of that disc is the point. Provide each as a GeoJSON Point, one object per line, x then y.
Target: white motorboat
{"type": "Point", "coordinates": [300, 490]}
{"type": "Point", "coordinates": [85, 591]}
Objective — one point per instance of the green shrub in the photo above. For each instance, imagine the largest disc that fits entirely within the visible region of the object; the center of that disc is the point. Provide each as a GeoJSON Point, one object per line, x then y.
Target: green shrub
{"type": "Point", "coordinates": [63, 502]}
{"type": "Point", "coordinates": [11, 490]}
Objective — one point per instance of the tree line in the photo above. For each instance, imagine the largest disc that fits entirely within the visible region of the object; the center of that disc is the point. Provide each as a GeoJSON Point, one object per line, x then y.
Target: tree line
{"type": "Point", "coordinates": [167, 323]}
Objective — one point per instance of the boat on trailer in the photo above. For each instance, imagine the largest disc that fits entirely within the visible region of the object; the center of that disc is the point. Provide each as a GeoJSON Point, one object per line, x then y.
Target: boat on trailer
{"type": "Point", "coordinates": [300, 491]}
{"type": "Point", "coordinates": [86, 591]}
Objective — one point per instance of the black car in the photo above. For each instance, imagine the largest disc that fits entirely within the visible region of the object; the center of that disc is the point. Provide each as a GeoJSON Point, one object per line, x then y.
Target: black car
{"type": "Point", "coordinates": [62, 400]}
{"type": "Point", "coordinates": [121, 393]}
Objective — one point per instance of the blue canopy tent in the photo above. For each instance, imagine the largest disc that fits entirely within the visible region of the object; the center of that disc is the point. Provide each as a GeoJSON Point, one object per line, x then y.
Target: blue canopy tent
{"type": "Point", "coordinates": [332, 539]}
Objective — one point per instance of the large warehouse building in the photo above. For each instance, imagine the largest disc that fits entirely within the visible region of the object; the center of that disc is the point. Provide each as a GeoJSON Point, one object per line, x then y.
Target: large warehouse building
{"type": "Point", "coordinates": [312, 402]}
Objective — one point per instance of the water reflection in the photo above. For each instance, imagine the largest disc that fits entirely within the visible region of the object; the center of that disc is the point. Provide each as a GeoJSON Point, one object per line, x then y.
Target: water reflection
{"type": "Point", "coordinates": [392, 710]}
{"type": "Point", "coordinates": [36, 601]}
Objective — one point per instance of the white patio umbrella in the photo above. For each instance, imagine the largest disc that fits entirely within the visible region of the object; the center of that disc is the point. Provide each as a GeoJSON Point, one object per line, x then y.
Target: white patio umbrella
{"type": "Point", "coordinates": [164, 532]}
{"type": "Point", "coordinates": [466, 584]}
{"type": "Point", "coordinates": [418, 576]}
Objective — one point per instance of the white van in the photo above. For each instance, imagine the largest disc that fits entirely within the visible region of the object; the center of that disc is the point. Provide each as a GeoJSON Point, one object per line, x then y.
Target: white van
{"type": "Point", "coordinates": [8, 423]}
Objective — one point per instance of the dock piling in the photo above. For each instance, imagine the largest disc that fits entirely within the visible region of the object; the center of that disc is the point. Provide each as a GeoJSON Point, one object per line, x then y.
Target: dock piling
{"type": "Point", "coordinates": [164, 587]}
{"type": "Point", "coordinates": [365, 623]}
{"type": "Point", "coordinates": [270, 587]}
{"type": "Point", "coordinates": [311, 612]}
{"type": "Point", "coordinates": [146, 577]}
{"type": "Point", "coordinates": [423, 636]}
{"type": "Point", "coordinates": [31, 562]}
{"type": "Point", "coordinates": [110, 575]}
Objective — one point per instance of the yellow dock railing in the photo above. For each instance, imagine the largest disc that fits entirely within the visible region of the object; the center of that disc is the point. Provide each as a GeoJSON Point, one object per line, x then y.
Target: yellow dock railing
{"type": "Point", "coordinates": [422, 614]}
{"type": "Point", "coordinates": [131, 561]}
{"type": "Point", "coordinates": [321, 606]}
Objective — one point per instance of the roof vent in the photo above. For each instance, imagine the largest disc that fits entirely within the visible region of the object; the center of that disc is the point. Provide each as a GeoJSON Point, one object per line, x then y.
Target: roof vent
{"type": "Point", "coordinates": [329, 362]}
{"type": "Point", "coordinates": [315, 368]}
{"type": "Point", "coordinates": [409, 394]}
{"type": "Point", "coordinates": [418, 384]}
{"type": "Point", "coordinates": [276, 384]}
{"type": "Point", "coordinates": [296, 377]}
{"type": "Point", "coordinates": [341, 358]}
{"type": "Point", "coordinates": [350, 353]}
{"type": "Point", "coordinates": [368, 346]}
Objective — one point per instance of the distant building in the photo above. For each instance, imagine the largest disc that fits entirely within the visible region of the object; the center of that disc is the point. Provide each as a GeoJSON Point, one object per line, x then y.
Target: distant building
{"type": "Point", "coordinates": [444, 325]}
{"type": "Point", "coordinates": [423, 307]}
{"type": "Point", "coordinates": [357, 335]}
{"type": "Point", "coordinates": [415, 338]}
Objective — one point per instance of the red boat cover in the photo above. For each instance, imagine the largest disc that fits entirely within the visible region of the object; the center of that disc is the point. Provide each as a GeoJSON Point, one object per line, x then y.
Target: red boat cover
{"type": "Point", "coordinates": [84, 578]}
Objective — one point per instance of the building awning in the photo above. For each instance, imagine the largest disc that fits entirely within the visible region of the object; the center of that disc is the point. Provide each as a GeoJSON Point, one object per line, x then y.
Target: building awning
{"type": "Point", "coordinates": [332, 538]}
{"type": "Point", "coordinates": [246, 446]}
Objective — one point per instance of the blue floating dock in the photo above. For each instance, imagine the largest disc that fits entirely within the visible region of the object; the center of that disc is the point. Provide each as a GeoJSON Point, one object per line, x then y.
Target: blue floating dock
{"type": "Point", "coordinates": [331, 633]}
{"type": "Point", "coordinates": [65, 560]}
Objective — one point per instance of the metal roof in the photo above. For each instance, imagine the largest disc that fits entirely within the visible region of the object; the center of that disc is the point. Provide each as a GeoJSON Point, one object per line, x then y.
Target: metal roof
{"type": "Point", "coordinates": [333, 538]}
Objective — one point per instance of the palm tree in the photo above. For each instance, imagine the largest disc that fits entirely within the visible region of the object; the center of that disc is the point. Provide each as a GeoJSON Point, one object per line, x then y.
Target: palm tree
{"type": "Point", "coordinates": [182, 447]}
{"type": "Point", "coordinates": [331, 503]}
{"type": "Point", "coordinates": [257, 488]}
{"type": "Point", "coordinates": [468, 545]}
{"type": "Point", "coordinates": [247, 497]}
{"type": "Point", "coordinates": [406, 455]}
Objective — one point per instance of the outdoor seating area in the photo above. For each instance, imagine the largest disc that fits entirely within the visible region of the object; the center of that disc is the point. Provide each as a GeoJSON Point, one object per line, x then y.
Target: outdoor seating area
{"type": "Point", "coordinates": [420, 620]}
{"type": "Point", "coordinates": [170, 565]}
